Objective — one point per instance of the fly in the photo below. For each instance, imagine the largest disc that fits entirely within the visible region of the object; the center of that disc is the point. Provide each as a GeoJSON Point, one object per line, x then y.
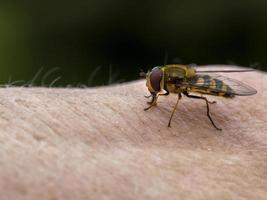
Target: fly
{"type": "Point", "coordinates": [183, 79]}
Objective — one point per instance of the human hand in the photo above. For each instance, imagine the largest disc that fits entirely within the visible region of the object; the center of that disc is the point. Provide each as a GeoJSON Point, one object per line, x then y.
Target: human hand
{"type": "Point", "coordinates": [98, 143]}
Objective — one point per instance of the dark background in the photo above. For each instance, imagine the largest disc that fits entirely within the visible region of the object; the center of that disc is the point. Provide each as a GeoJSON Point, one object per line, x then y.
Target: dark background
{"type": "Point", "coordinates": [98, 42]}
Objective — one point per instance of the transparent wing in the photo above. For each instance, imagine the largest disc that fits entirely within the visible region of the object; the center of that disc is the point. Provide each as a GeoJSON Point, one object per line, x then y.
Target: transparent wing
{"type": "Point", "coordinates": [218, 83]}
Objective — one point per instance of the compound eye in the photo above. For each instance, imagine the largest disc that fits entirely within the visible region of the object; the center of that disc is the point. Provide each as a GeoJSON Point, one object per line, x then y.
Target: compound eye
{"type": "Point", "coordinates": [155, 78]}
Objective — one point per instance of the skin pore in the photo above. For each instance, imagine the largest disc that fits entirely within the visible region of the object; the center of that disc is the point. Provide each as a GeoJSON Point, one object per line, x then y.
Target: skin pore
{"type": "Point", "coordinates": [99, 143]}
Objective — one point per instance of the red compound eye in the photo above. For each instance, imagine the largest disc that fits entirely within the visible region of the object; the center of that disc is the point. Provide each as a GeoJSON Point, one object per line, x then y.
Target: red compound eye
{"type": "Point", "coordinates": [155, 78]}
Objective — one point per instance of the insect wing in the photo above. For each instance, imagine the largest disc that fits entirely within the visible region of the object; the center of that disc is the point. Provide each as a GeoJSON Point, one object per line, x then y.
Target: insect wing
{"type": "Point", "coordinates": [221, 84]}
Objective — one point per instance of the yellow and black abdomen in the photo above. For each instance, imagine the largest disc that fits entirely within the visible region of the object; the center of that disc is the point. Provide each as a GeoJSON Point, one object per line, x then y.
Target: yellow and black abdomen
{"type": "Point", "coordinates": [206, 84]}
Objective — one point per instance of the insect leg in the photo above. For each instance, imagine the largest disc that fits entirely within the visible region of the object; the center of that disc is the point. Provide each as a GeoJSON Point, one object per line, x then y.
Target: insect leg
{"type": "Point", "coordinates": [154, 98]}
{"type": "Point", "coordinates": [148, 96]}
{"type": "Point", "coordinates": [153, 95]}
{"type": "Point", "coordinates": [167, 92]}
{"type": "Point", "coordinates": [179, 97]}
{"type": "Point", "coordinates": [211, 102]}
{"type": "Point", "coordinates": [208, 109]}
{"type": "Point", "coordinates": [152, 103]}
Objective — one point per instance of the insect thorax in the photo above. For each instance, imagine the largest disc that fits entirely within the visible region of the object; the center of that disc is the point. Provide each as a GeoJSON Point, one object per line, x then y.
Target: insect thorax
{"type": "Point", "coordinates": [173, 75]}
{"type": "Point", "coordinates": [173, 72]}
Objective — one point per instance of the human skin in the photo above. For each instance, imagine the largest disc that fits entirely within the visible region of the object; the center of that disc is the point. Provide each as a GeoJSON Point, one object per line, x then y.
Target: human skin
{"type": "Point", "coordinates": [99, 143]}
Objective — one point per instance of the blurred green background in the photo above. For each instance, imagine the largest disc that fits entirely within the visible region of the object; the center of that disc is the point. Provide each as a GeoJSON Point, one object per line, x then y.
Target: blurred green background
{"type": "Point", "coordinates": [98, 42]}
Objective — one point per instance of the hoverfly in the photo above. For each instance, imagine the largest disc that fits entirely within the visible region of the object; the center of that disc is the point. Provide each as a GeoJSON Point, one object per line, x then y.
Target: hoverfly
{"type": "Point", "coordinates": [184, 79]}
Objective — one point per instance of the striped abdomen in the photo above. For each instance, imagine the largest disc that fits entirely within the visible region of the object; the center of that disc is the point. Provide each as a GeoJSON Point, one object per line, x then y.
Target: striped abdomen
{"type": "Point", "coordinates": [206, 84]}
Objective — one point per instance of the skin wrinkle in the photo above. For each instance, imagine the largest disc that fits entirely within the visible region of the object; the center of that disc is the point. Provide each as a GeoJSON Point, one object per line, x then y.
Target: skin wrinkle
{"type": "Point", "coordinates": [98, 143]}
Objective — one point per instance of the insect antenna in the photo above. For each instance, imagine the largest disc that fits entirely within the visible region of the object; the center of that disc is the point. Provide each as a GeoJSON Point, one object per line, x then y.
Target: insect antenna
{"type": "Point", "coordinates": [142, 74]}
